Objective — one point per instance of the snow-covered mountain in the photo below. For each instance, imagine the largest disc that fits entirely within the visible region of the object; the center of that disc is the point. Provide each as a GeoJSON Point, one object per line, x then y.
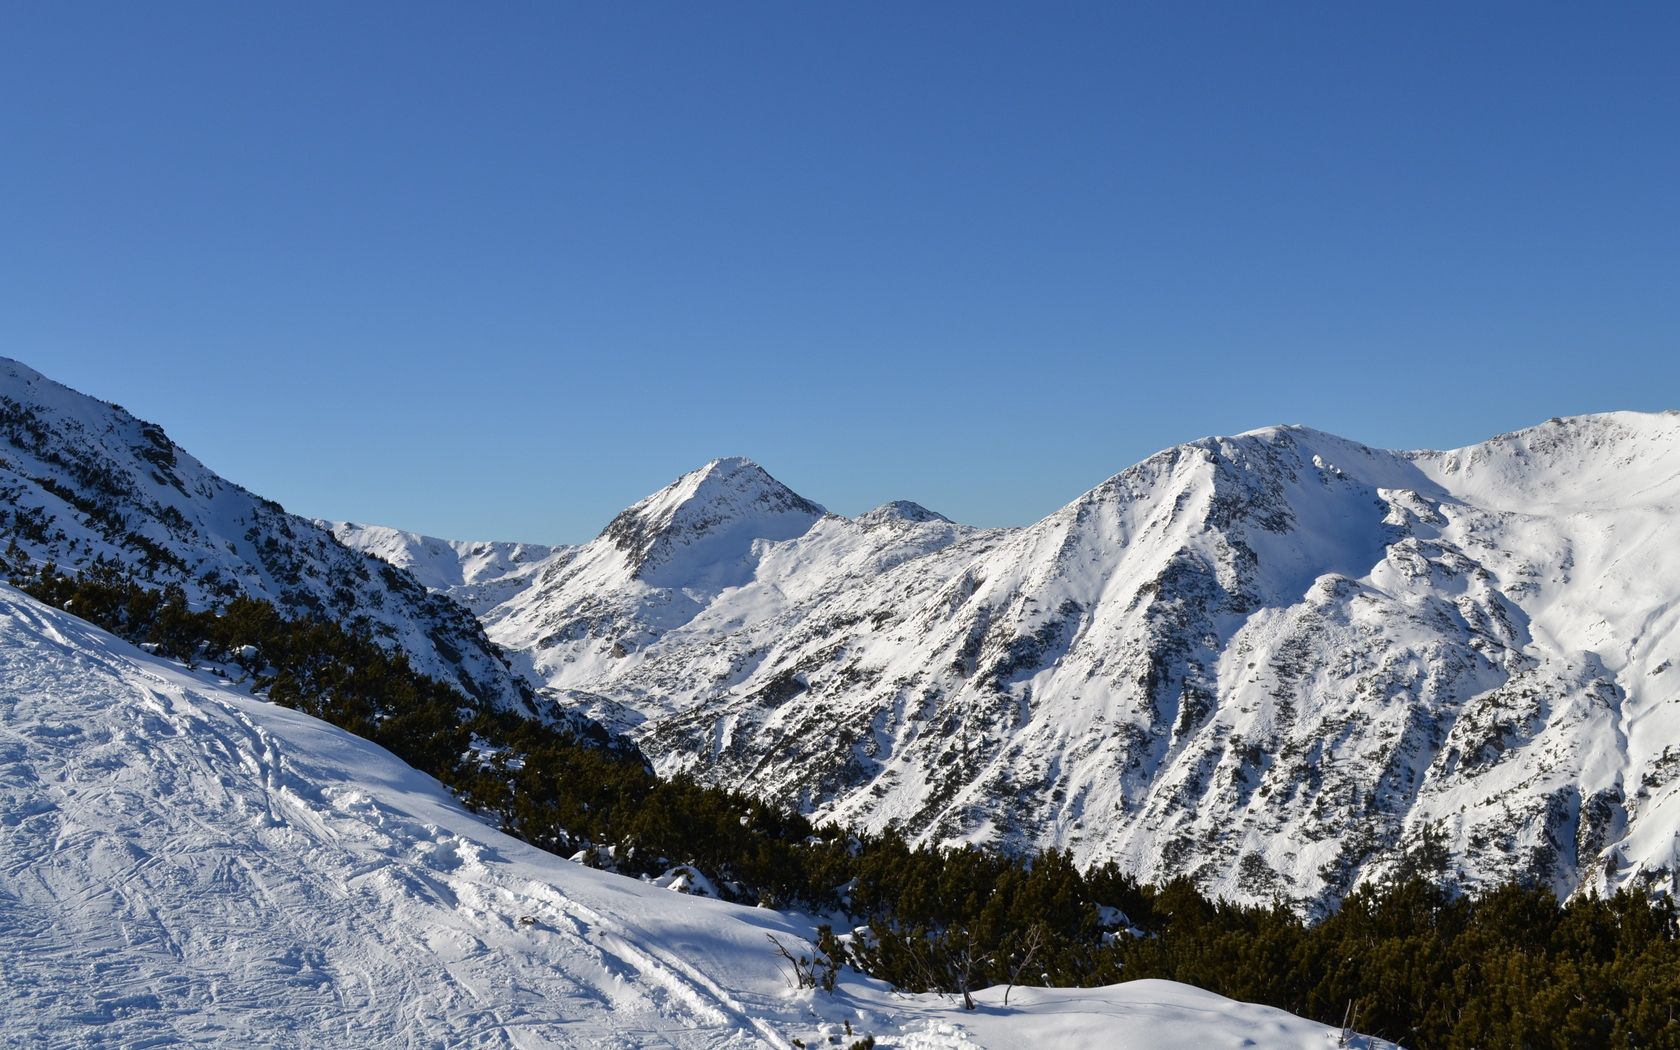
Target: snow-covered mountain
{"type": "Point", "coordinates": [480, 576]}
{"type": "Point", "coordinates": [1265, 660]}
{"type": "Point", "coordinates": [723, 548]}
{"type": "Point", "coordinates": [83, 482]}
{"type": "Point", "coordinates": [183, 864]}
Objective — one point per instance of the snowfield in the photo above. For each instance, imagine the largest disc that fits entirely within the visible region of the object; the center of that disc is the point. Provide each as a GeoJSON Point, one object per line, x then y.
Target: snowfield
{"type": "Point", "coordinates": [183, 864]}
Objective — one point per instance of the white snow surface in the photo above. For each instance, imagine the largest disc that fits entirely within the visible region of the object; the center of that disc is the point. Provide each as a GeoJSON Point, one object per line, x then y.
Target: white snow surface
{"type": "Point", "coordinates": [479, 575]}
{"type": "Point", "coordinates": [1265, 661]}
{"type": "Point", "coordinates": [182, 864]}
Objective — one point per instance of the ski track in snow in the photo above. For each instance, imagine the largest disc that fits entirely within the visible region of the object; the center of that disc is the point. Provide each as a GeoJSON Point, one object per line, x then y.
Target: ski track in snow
{"type": "Point", "coordinates": [181, 864]}
{"type": "Point", "coordinates": [125, 798]}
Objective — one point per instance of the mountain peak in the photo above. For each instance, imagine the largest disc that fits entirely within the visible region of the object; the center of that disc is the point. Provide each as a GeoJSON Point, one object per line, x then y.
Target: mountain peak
{"type": "Point", "coordinates": [731, 465]}
{"type": "Point", "coordinates": [709, 517]}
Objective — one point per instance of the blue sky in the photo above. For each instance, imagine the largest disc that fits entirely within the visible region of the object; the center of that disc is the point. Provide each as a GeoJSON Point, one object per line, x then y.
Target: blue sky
{"type": "Point", "coordinates": [498, 271]}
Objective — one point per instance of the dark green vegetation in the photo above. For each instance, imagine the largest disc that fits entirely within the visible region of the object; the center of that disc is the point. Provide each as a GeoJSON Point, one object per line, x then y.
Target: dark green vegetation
{"type": "Point", "coordinates": [1511, 968]}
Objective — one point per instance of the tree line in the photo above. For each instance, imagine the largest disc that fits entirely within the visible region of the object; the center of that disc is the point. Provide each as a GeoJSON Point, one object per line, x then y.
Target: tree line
{"type": "Point", "coordinates": [1410, 960]}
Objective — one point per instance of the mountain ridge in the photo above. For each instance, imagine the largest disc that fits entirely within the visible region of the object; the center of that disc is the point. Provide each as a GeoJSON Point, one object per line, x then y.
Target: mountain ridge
{"type": "Point", "coordinates": [1265, 660]}
{"type": "Point", "coordinates": [88, 485]}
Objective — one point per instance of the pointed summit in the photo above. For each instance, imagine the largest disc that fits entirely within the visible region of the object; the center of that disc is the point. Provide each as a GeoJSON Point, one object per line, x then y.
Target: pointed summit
{"type": "Point", "coordinates": [708, 519]}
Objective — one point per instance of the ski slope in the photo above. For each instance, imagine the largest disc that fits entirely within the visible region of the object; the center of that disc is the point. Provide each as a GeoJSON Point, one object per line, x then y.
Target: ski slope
{"type": "Point", "coordinates": [182, 864]}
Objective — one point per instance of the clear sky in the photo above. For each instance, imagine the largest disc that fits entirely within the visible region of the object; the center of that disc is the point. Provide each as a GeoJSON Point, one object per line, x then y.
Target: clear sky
{"type": "Point", "coordinates": [499, 270]}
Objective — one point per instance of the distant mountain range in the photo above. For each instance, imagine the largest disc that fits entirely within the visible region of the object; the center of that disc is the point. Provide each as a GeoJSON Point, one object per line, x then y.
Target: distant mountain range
{"type": "Point", "coordinates": [1272, 662]}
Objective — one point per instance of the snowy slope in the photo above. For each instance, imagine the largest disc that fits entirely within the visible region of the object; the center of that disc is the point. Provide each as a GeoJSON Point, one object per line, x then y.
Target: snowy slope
{"type": "Point", "coordinates": [83, 481]}
{"type": "Point", "coordinates": [728, 550]}
{"type": "Point", "coordinates": [181, 863]}
{"type": "Point", "coordinates": [1264, 661]}
{"type": "Point", "coordinates": [478, 575]}
{"type": "Point", "coordinates": [656, 567]}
